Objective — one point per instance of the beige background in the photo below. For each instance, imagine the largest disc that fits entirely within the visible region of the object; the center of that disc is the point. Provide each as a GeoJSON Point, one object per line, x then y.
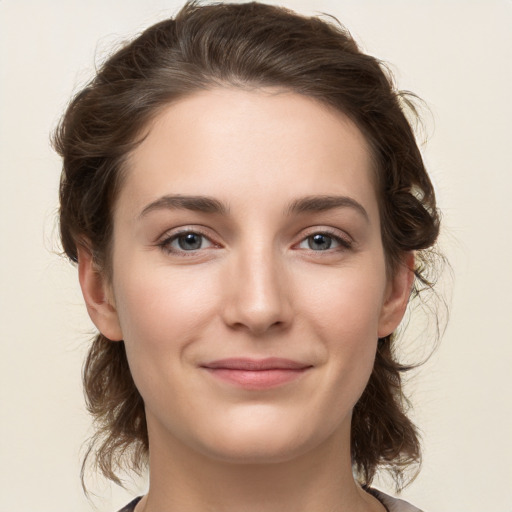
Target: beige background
{"type": "Point", "coordinates": [455, 54]}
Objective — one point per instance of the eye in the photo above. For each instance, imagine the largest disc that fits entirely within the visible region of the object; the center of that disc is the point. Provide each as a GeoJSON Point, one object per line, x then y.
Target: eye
{"type": "Point", "coordinates": [186, 241]}
{"type": "Point", "coordinates": [323, 242]}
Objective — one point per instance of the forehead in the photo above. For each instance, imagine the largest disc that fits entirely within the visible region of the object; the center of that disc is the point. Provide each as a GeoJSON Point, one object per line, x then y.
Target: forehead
{"type": "Point", "coordinates": [232, 143]}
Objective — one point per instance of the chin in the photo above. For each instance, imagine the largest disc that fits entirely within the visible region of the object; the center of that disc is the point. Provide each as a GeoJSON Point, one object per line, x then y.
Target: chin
{"type": "Point", "coordinates": [251, 450]}
{"type": "Point", "coordinates": [263, 440]}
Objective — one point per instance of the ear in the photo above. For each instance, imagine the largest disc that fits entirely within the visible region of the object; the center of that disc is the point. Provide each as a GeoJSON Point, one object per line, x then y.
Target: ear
{"type": "Point", "coordinates": [98, 296]}
{"type": "Point", "coordinates": [397, 296]}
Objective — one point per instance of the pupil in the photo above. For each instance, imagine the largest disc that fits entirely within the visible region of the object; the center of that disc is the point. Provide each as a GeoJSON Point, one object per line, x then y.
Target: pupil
{"type": "Point", "coordinates": [189, 242]}
{"type": "Point", "coordinates": [320, 242]}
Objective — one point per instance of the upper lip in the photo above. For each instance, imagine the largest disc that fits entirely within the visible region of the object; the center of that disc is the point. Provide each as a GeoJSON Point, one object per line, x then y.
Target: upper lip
{"type": "Point", "coordinates": [248, 364]}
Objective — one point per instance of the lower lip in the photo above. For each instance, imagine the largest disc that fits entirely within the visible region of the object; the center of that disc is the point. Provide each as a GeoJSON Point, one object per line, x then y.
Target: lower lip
{"type": "Point", "coordinates": [257, 379]}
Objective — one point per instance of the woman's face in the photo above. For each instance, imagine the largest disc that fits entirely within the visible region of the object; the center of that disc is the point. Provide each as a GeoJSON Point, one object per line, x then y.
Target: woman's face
{"type": "Point", "coordinates": [249, 281]}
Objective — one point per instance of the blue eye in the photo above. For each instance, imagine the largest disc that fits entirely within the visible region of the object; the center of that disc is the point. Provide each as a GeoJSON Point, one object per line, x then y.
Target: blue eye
{"type": "Point", "coordinates": [323, 242]}
{"type": "Point", "coordinates": [319, 242]}
{"type": "Point", "coordinates": [190, 241]}
{"type": "Point", "coordinates": [186, 241]}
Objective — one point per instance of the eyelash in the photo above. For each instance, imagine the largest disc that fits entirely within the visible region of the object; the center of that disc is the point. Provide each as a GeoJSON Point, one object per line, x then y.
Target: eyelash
{"type": "Point", "coordinates": [344, 242]}
{"type": "Point", "coordinates": [165, 244]}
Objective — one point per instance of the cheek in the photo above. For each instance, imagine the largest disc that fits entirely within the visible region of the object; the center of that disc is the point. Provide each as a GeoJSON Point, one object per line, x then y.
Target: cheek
{"type": "Point", "coordinates": [345, 316]}
{"type": "Point", "coordinates": [162, 311]}
{"type": "Point", "coordinates": [347, 302]}
{"type": "Point", "coordinates": [162, 314]}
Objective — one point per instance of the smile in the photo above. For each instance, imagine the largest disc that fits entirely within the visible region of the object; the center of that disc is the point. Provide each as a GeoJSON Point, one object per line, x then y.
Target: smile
{"type": "Point", "coordinates": [256, 374]}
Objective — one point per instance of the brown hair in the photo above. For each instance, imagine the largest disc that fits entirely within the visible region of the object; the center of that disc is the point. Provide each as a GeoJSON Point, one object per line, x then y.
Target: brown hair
{"type": "Point", "coordinates": [241, 45]}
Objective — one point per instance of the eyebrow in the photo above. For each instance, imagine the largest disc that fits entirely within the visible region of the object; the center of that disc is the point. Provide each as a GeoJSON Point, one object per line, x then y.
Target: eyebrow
{"type": "Point", "coordinates": [211, 205]}
{"type": "Point", "coordinates": [325, 203]}
{"type": "Point", "coordinates": [202, 204]}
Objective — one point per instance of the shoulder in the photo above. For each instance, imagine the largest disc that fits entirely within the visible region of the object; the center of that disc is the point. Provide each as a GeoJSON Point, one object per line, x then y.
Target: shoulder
{"type": "Point", "coordinates": [394, 504]}
{"type": "Point", "coordinates": [131, 506]}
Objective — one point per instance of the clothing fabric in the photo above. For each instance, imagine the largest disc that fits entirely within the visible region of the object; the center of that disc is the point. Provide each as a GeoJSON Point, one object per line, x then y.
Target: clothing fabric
{"type": "Point", "coordinates": [131, 506]}
{"type": "Point", "coordinates": [391, 504]}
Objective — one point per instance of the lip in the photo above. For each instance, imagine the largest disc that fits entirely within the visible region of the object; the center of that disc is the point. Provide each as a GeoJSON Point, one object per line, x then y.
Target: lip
{"type": "Point", "coordinates": [256, 374]}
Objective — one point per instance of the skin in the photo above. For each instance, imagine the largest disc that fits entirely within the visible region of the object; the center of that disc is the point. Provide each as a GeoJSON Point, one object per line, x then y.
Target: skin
{"type": "Point", "coordinates": [258, 285]}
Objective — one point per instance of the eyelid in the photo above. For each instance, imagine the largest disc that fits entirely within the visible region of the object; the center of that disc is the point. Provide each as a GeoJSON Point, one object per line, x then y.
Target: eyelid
{"type": "Point", "coordinates": [344, 239]}
{"type": "Point", "coordinates": [170, 235]}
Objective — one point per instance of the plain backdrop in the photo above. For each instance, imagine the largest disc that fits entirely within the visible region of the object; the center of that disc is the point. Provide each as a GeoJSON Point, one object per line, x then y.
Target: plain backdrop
{"type": "Point", "coordinates": [455, 54]}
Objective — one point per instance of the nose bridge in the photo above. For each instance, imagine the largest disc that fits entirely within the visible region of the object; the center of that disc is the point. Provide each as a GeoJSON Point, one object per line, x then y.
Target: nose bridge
{"type": "Point", "coordinates": [258, 289]}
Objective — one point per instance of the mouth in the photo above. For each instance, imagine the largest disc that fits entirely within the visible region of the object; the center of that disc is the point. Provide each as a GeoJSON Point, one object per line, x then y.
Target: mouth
{"type": "Point", "coordinates": [256, 374]}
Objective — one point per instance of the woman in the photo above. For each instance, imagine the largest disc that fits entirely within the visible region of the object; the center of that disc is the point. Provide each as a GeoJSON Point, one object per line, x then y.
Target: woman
{"type": "Point", "coordinates": [250, 214]}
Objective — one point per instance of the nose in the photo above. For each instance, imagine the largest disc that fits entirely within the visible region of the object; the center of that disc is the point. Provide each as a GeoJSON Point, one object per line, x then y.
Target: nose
{"type": "Point", "coordinates": [257, 293]}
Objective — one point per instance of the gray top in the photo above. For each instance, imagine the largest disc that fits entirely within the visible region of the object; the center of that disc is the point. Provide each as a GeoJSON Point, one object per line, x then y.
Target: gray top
{"type": "Point", "coordinates": [392, 504]}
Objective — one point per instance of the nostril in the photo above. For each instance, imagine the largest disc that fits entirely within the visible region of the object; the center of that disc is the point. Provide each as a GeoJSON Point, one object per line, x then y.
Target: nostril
{"type": "Point", "coordinates": [256, 321]}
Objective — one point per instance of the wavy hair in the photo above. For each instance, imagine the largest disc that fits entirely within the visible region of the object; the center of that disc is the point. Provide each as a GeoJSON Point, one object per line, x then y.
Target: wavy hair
{"type": "Point", "coordinates": [247, 45]}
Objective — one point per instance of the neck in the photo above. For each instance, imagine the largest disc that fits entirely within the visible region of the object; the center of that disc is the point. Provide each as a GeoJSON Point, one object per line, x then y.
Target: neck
{"type": "Point", "coordinates": [320, 480]}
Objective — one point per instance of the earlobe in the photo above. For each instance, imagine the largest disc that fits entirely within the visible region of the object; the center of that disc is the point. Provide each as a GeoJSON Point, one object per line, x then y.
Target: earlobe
{"type": "Point", "coordinates": [97, 296]}
{"type": "Point", "coordinates": [397, 296]}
